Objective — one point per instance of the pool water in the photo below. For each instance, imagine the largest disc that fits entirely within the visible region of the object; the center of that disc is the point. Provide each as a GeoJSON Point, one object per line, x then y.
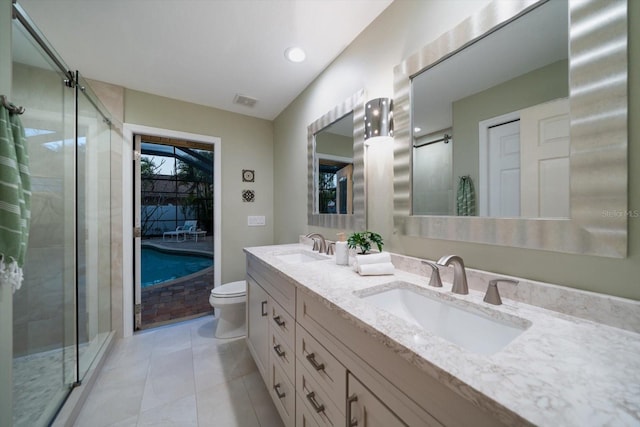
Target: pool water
{"type": "Point", "coordinates": [158, 266]}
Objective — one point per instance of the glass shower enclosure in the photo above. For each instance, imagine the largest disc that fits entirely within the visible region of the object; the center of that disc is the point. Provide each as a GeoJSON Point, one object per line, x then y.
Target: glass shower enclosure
{"type": "Point", "coordinates": [62, 313]}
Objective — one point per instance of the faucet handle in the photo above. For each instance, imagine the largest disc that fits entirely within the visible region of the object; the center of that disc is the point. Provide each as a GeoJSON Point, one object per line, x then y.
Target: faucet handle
{"type": "Point", "coordinates": [331, 248]}
{"type": "Point", "coordinates": [435, 275]}
{"type": "Point", "coordinates": [493, 296]}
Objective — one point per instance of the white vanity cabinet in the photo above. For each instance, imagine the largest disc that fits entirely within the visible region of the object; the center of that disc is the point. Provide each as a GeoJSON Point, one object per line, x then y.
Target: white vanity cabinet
{"type": "Point", "coordinates": [271, 334]}
{"type": "Point", "coordinates": [352, 381]}
{"type": "Point", "coordinates": [321, 368]}
{"type": "Point", "coordinates": [258, 324]}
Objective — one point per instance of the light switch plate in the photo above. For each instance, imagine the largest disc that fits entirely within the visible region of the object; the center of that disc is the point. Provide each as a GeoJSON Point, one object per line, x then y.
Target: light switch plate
{"type": "Point", "coordinates": [255, 221]}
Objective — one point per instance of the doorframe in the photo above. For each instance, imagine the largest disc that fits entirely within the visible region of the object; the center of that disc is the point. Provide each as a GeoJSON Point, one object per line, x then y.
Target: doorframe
{"type": "Point", "coordinates": [129, 130]}
{"type": "Point", "coordinates": [483, 156]}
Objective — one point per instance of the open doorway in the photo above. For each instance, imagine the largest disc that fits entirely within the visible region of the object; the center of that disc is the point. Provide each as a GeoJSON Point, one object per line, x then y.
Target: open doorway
{"type": "Point", "coordinates": [174, 240]}
{"type": "Point", "coordinates": [131, 226]}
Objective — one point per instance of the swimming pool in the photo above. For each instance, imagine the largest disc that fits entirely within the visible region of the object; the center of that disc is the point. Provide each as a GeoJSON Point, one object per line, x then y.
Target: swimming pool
{"type": "Point", "coordinates": [161, 266]}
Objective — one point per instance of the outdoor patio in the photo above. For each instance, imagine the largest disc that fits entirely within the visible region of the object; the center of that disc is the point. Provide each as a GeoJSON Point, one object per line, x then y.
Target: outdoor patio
{"type": "Point", "coordinates": [181, 298]}
{"type": "Point", "coordinates": [203, 243]}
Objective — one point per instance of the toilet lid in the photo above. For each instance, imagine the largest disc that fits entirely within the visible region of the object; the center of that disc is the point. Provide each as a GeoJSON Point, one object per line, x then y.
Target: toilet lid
{"type": "Point", "coordinates": [230, 290]}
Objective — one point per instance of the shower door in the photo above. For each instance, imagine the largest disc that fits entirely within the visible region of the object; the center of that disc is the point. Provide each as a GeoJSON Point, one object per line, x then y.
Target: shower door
{"type": "Point", "coordinates": [44, 356]}
{"type": "Point", "coordinates": [62, 312]}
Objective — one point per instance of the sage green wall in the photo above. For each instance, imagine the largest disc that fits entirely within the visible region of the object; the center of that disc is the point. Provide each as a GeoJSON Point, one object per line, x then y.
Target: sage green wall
{"type": "Point", "coordinates": [6, 298]}
{"type": "Point", "coordinates": [538, 86]}
{"type": "Point", "coordinates": [247, 143]}
{"type": "Point", "coordinates": [368, 63]}
{"type": "Point", "coordinates": [336, 145]}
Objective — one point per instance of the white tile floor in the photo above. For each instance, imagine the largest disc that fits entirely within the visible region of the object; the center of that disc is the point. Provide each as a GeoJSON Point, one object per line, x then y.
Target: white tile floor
{"type": "Point", "coordinates": [179, 375]}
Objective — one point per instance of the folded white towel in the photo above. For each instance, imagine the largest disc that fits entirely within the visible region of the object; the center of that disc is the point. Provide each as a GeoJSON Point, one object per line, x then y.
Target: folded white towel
{"type": "Point", "coordinates": [378, 269]}
{"type": "Point", "coordinates": [378, 258]}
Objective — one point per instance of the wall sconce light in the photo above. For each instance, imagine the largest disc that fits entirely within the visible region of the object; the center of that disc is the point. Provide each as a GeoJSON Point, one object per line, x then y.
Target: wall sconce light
{"type": "Point", "coordinates": [378, 119]}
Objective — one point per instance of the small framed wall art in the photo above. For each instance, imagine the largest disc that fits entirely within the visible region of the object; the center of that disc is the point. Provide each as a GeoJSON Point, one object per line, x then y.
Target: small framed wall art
{"type": "Point", "coordinates": [248, 175]}
{"type": "Point", "coordinates": [248, 196]}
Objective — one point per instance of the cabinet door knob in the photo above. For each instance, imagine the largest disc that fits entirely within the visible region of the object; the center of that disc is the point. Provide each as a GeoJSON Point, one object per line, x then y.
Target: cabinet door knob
{"type": "Point", "coordinates": [278, 321]}
{"type": "Point", "coordinates": [279, 393]}
{"type": "Point", "coordinates": [264, 309]}
{"type": "Point", "coordinates": [311, 357]}
{"type": "Point", "coordinates": [351, 422]}
{"type": "Point", "coordinates": [311, 397]}
{"type": "Point", "coordinates": [278, 350]}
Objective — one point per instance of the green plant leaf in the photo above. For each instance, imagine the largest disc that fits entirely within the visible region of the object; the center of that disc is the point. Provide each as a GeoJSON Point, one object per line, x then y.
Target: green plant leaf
{"type": "Point", "coordinates": [362, 241]}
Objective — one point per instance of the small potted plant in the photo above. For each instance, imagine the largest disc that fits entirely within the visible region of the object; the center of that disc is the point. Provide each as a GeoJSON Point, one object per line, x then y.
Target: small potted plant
{"type": "Point", "coordinates": [363, 240]}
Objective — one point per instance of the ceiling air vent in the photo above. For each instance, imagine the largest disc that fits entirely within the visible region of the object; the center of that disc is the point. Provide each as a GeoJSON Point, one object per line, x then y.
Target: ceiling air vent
{"type": "Point", "coordinates": [247, 101]}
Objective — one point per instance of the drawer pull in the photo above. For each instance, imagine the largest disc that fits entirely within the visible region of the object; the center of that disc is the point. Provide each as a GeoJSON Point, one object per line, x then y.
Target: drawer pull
{"type": "Point", "coordinates": [351, 422]}
{"type": "Point", "coordinates": [278, 350]}
{"type": "Point", "coordinates": [311, 397]}
{"type": "Point", "coordinates": [279, 393]}
{"type": "Point", "coordinates": [278, 321]}
{"type": "Point", "coordinates": [264, 309]}
{"type": "Point", "coordinates": [311, 357]}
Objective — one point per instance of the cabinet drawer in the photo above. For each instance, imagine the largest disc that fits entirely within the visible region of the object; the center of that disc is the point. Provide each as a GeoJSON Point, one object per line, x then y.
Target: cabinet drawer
{"type": "Point", "coordinates": [278, 287]}
{"type": "Point", "coordinates": [303, 415]}
{"type": "Point", "coordinates": [318, 404]}
{"type": "Point", "coordinates": [282, 323]}
{"type": "Point", "coordinates": [283, 394]}
{"type": "Point", "coordinates": [282, 354]}
{"type": "Point", "coordinates": [322, 366]}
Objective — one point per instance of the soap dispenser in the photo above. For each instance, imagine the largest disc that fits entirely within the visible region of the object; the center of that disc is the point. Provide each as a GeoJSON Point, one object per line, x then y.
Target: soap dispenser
{"type": "Point", "coordinates": [342, 250]}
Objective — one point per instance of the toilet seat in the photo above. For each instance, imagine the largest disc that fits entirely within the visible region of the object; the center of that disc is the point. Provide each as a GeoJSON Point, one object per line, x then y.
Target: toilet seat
{"type": "Point", "coordinates": [230, 290]}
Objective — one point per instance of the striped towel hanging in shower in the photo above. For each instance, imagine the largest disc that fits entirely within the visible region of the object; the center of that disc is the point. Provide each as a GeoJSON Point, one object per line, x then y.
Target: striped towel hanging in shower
{"type": "Point", "coordinates": [466, 197]}
{"type": "Point", "coordinates": [15, 196]}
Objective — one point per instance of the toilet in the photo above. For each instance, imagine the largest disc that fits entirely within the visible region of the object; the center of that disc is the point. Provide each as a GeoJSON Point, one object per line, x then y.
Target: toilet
{"type": "Point", "coordinates": [230, 302]}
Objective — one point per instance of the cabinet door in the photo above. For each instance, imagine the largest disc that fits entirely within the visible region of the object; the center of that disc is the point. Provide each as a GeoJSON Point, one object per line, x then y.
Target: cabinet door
{"type": "Point", "coordinates": [258, 325]}
{"type": "Point", "coordinates": [364, 409]}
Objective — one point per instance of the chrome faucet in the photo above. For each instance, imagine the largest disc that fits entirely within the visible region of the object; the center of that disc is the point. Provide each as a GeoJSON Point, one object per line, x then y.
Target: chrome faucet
{"type": "Point", "coordinates": [319, 243]}
{"type": "Point", "coordinates": [493, 296]}
{"type": "Point", "coordinates": [459, 275]}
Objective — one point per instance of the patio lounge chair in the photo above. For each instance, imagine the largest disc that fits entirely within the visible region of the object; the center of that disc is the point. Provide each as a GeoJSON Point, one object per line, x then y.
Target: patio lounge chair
{"type": "Point", "coordinates": [194, 232]}
{"type": "Point", "coordinates": [181, 230]}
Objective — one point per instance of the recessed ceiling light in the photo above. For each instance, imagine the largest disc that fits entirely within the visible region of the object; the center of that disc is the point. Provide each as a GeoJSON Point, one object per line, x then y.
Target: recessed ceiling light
{"type": "Point", "coordinates": [417, 129]}
{"type": "Point", "coordinates": [295, 54]}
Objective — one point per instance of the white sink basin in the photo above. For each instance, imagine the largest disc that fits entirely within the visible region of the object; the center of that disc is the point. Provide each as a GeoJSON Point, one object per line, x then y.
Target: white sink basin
{"type": "Point", "coordinates": [461, 324]}
{"type": "Point", "coordinates": [299, 257]}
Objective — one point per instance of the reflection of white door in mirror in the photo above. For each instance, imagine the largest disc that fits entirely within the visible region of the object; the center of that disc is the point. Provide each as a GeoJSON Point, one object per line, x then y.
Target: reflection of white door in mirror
{"type": "Point", "coordinates": [499, 161]}
{"type": "Point", "coordinates": [545, 142]}
{"type": "Point", "coordinates": [524, 163]}
{"type": "Point", "coordinates": [504, 170]}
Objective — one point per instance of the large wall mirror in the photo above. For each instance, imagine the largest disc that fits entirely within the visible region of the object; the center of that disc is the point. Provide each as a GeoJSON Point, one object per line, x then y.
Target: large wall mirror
{"type": "Point", "coordinates": [336, 190]}
{"type": "Point", "coordinates": [511, 129]}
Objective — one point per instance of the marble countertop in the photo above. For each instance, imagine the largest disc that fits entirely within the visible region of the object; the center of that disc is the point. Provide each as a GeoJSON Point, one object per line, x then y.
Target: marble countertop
{"type": "Point", "coordinates": [561, 370]}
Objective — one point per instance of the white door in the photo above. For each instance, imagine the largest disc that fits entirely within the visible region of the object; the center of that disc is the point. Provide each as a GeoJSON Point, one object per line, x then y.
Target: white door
{"type": "Point", "coordinates": [504, 170]}
{"type": "Point", "coordinates": [545, 173]}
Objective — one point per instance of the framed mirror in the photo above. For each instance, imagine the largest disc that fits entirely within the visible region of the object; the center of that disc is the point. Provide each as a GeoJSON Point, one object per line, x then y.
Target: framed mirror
{"type": "Point", "coordinates": [474, 144]}
{"type": "Point", "coordinates": [335, 146]}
